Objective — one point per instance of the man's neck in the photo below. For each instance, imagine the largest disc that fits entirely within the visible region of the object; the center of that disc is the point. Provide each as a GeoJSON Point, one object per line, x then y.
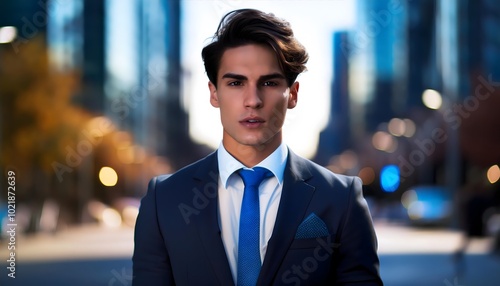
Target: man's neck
{"type": "Point", "coordinates": [251, 155]}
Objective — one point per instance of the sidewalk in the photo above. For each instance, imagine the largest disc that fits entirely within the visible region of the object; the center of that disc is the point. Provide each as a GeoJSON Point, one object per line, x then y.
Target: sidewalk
{"type": "Point", "coordinates": [94, 255]}
{"type": "Point", "coordinates": [90, 241]}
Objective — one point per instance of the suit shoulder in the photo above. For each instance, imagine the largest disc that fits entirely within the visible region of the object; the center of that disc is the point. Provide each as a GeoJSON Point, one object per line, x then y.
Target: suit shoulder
{"type": "Point", "coordinates": [201, 166]}
{"type": "Point", "coordinates": [319, 172]}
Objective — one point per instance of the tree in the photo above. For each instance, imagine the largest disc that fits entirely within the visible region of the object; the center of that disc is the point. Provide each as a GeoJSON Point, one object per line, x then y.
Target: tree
{"type": "Point", "coordinates": [37, 120]}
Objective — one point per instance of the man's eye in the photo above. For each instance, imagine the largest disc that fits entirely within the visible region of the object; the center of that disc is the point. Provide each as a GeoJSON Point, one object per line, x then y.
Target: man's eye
{"type": "Point", "coordinates": [234, 83]}
{"type": "Point", "coordinates": [269, 83]}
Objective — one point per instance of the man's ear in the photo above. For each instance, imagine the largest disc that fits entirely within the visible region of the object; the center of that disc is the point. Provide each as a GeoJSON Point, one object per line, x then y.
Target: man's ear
{"type": "Point", "coordinates": [294, 94]}
{"type": "Point", "coordinates": [214, 100]}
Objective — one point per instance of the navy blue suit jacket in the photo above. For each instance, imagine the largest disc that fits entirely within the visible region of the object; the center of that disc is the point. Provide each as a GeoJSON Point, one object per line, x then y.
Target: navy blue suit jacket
{"type": "Point", "coordinates": [178, 241]}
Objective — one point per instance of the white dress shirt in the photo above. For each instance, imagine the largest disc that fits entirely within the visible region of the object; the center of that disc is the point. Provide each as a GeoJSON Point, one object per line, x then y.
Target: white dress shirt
{"type": "Point", "coordinates": [231, 195]}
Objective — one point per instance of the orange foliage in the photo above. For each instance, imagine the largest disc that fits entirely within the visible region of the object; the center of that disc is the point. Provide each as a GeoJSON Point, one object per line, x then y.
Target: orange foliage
{"type": "Point", "coordinates": [38, 118]}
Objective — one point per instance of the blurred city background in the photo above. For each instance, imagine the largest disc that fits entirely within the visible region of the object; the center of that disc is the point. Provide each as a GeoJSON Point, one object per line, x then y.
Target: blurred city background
{"type": "Point", "coordinates": [98, 96]}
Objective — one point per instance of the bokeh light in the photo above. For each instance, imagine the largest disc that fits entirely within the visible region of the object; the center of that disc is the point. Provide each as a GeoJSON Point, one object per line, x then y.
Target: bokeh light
{"type": "Point", "coordinates": [348, 160]}
{"type": "Point", "coordinates": [111, 218]}
{"type": "Point", "coordinates": [389, 178]}
{"type": "Point", "coordinates": [100, 126]}
{"type": "Point", "coordinates": [384, 141]}
{"type": "Point", "coordinates": [427, 204]}
{"type": "Point", "coordinates": [408, 198]}
{"type": "Point", "coordinates": [397, 127]}
{"type": "Point", "coordinates": [104, 214]}
{"type": "Point", "coordinates": [7, 34]}
{"type": "Point", "coordinates": [410, 128]}
{"type": "Point", "coordinates": [108, 176]}
{"type": "Point", "coordinates": [432, 99]}
{"type": "Point", "coordinates": [416, 210]}
{"type": "Point", "coordinates": [367, 175]}
{"type": "Point", "coordinates": [493, 174]}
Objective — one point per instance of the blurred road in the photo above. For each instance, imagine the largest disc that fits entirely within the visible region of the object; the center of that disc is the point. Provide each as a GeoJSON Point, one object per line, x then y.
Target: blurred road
{"type": "Point", "coordinates": [416, 257]}
{"type": "Point", "coordinates": [94, 255]}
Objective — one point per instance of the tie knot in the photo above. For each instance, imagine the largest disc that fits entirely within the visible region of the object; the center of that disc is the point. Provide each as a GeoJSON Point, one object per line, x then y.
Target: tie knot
{"type": "Point", "coordinates": [254, 176]}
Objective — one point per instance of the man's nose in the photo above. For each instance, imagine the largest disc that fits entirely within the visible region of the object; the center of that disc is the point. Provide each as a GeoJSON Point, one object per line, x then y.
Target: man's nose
{"type": "Point", "coordinates": [253, 97]}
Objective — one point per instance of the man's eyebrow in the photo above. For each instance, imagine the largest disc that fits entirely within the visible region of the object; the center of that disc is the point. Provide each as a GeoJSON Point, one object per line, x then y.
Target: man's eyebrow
{"type": "Point", "coordinates": [272, 76]}
{"type": "Point", "coordinates": [234, 76]}
{"type": "Point", "coordinates": [261, 78]}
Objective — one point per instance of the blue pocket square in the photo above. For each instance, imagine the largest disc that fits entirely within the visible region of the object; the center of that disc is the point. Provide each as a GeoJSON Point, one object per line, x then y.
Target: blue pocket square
{"type": "Point", "coordinates": [311, 227]}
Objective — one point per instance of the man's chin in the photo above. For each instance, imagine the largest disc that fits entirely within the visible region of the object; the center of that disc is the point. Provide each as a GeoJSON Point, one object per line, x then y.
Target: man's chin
{"type": "Point", "coordinates": [257, 143]}
{"type": "Point", "coordinates": [252, 141]}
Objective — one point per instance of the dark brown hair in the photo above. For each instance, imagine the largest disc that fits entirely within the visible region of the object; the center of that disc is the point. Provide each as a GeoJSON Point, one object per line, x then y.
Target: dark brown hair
{"type": "Point", "coordinates": [249, 26]}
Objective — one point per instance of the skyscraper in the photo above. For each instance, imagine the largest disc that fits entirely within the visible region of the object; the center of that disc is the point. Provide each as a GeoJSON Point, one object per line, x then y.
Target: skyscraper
{"type": "Point", "coordinates": [336, 136]}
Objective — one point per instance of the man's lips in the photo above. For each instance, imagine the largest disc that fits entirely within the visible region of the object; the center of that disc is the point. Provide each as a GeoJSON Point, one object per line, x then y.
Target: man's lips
{"type": "Point", "coordinates": [252, 121]}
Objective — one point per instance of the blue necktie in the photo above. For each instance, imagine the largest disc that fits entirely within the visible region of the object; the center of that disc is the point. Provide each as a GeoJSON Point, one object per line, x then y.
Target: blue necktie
{"type": "Point", "coordinates": [248, 242]}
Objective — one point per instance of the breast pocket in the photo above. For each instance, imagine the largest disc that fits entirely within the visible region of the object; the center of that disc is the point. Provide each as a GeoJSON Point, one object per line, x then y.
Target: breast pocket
{"type": "Point", "coordinates": [313, 251]}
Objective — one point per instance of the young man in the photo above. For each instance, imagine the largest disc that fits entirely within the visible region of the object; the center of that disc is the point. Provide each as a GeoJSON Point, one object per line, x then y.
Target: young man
{"type": "Point", "coordinates": [303, 225]}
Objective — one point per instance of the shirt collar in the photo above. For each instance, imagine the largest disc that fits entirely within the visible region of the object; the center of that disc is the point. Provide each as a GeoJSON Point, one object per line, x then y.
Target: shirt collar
{"type": "Point", "coordinates": [275, 163]}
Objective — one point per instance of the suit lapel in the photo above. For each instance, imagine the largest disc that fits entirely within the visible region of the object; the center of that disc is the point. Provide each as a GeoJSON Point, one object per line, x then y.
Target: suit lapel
{"type": "Point", "coordinates": [295, 199]}
{"type": "Point", "coordinates": [207, 223]}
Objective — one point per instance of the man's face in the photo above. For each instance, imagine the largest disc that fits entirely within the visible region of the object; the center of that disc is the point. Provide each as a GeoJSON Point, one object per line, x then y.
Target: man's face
{"type": "Point", "coordinates": [253, 97]}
